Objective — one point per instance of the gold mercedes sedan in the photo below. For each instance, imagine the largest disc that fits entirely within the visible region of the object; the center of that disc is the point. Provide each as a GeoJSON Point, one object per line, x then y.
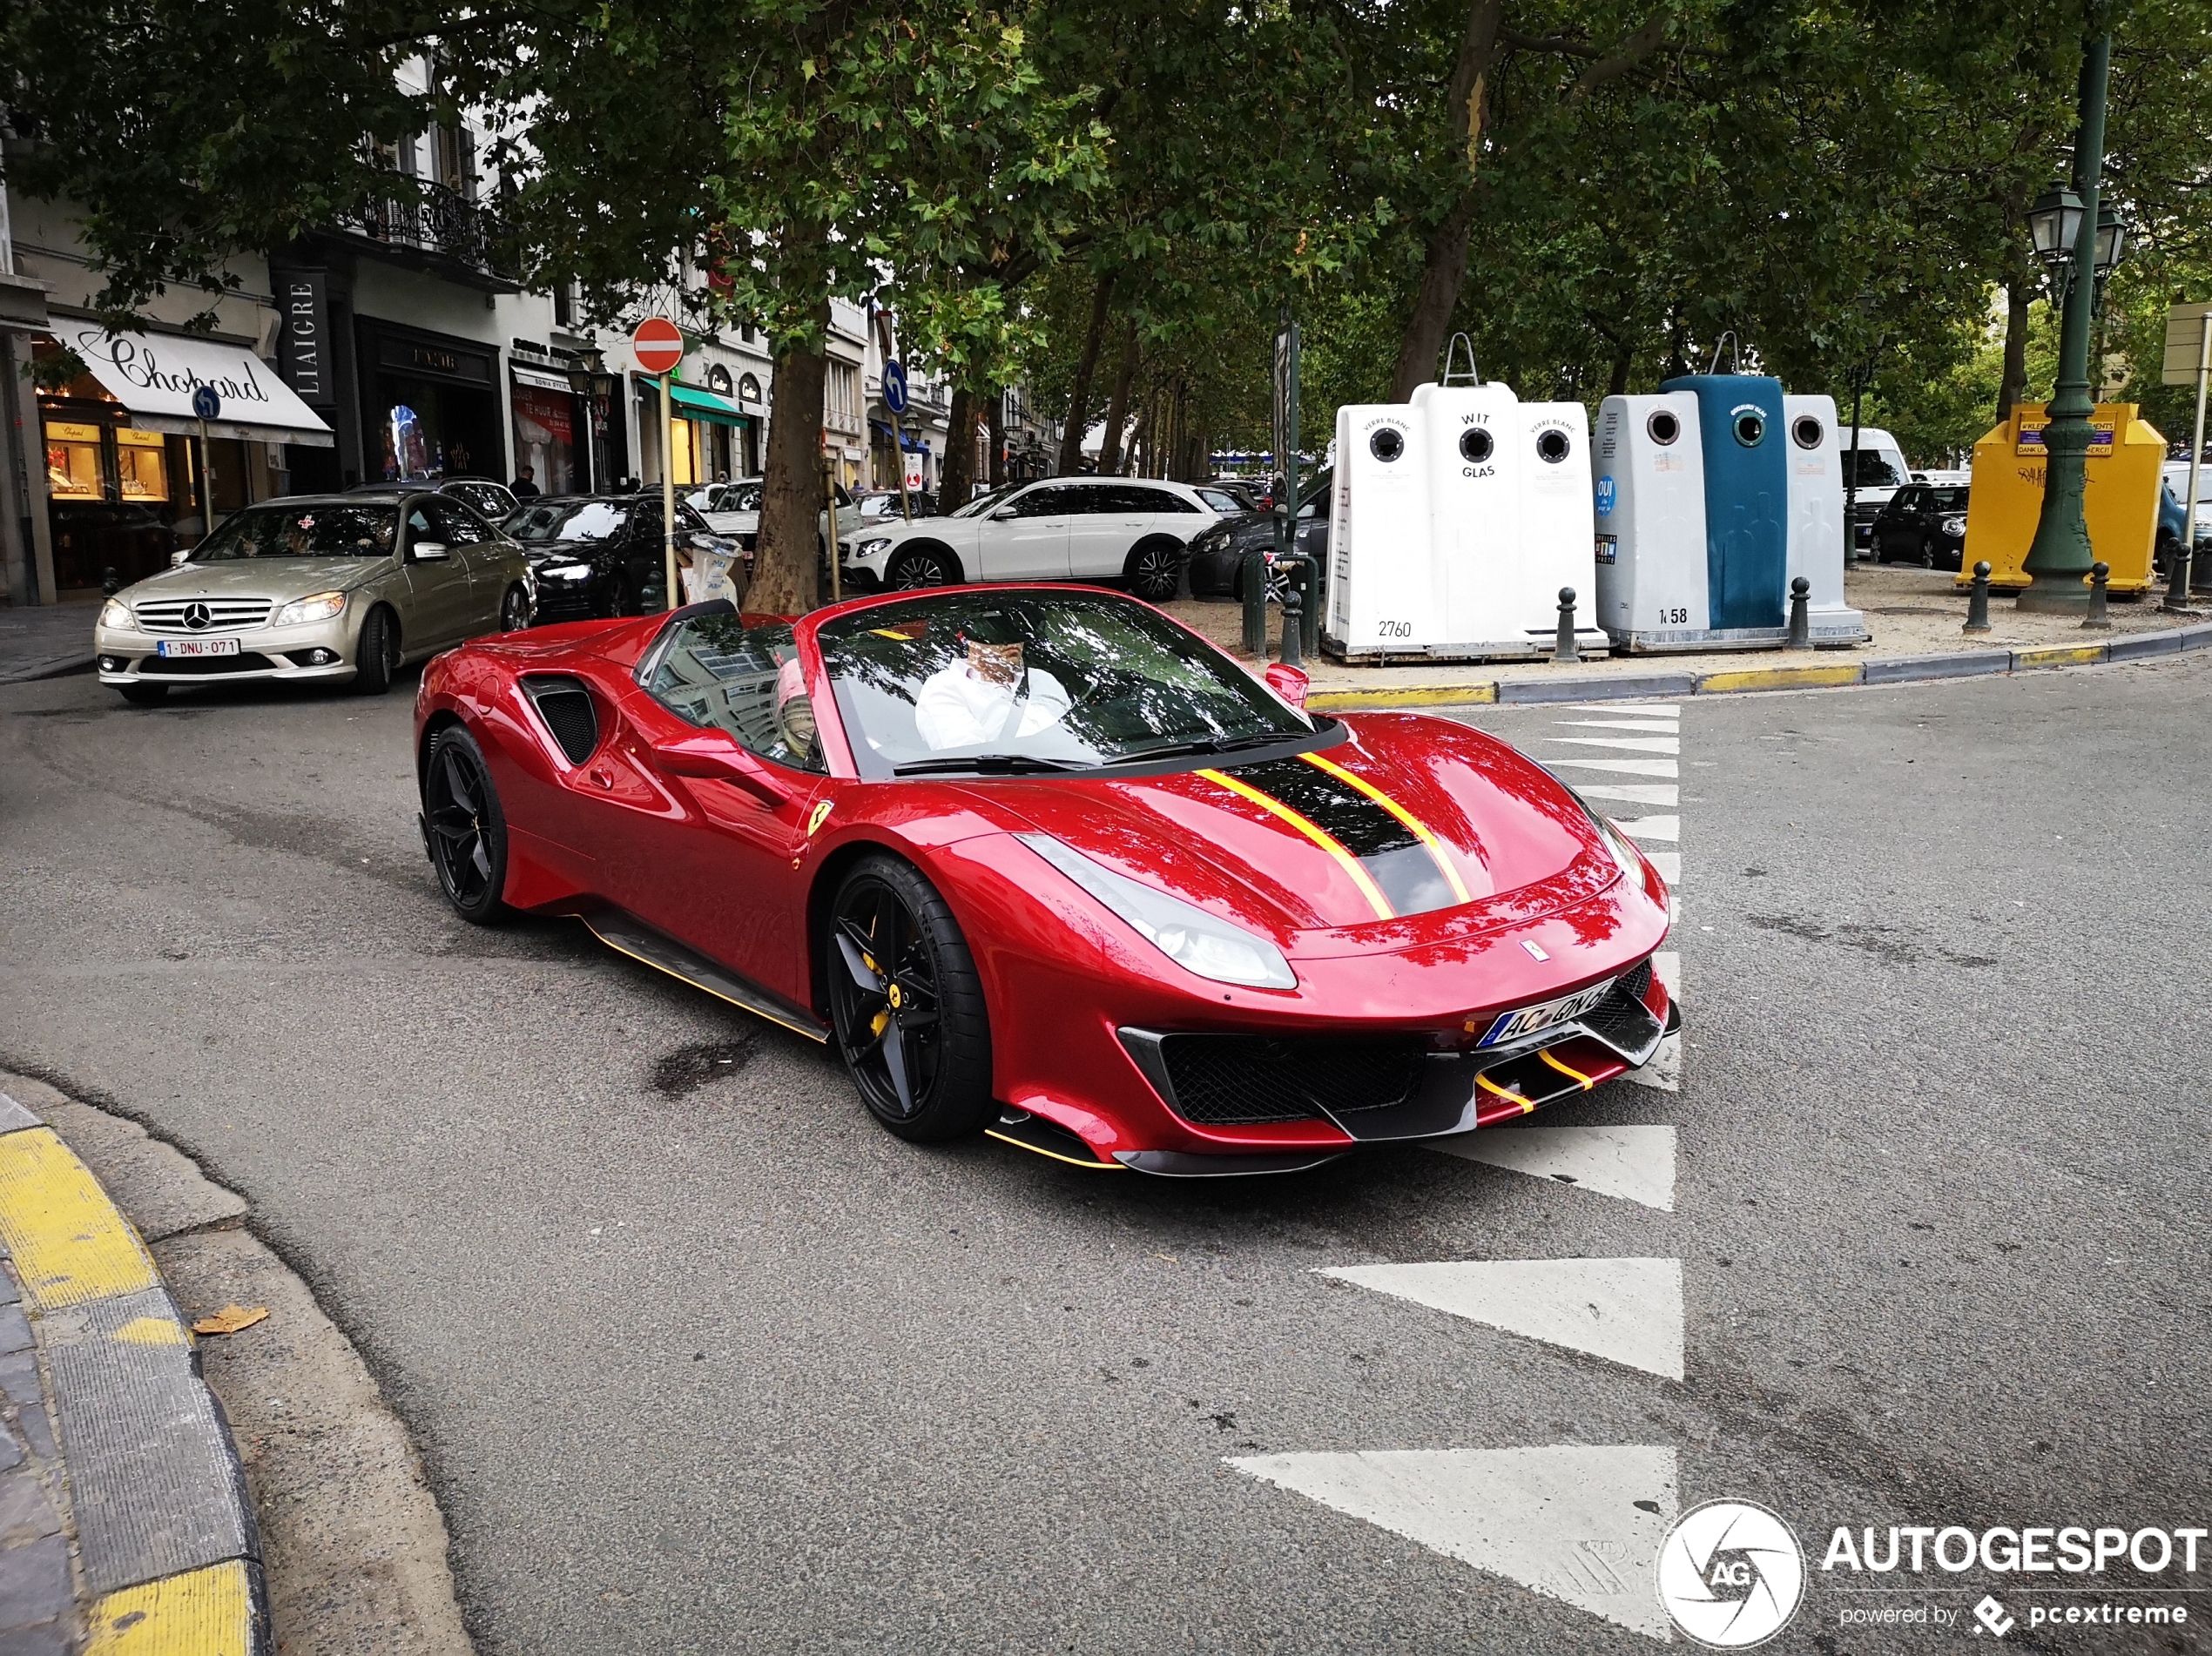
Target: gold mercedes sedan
{"type": "Point", "coordinates": [317, 587]}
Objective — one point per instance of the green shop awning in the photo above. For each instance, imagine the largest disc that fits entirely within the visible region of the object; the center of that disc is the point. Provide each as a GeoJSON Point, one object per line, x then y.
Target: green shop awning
{"type": "Point", "coordinates": [691, 403]}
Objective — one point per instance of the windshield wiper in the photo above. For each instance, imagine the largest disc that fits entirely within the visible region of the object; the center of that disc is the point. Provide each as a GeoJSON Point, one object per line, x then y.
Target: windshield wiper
{"type": "Point", "coordinates": [988, 764]}
{"type": "Point", "coordinates": [1206, 744]}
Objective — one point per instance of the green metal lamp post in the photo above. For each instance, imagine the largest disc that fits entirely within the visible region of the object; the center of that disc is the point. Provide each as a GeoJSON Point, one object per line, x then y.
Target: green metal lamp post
{"type": "Point", "coordinates": [2059, 559]}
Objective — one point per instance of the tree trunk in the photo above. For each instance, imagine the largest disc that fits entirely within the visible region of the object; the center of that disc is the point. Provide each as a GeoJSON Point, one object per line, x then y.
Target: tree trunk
{"type": "Point", "coordinates": [1444, 266]}
{"type": "Point", "coordinates": [1624, 358]}
{"type": "Point", "coordinates": [1071, 439]}
{"type": "Point", "coordinates": [959, 480]}
{"type": "Point", "coordinates": [2011, 386]}
{"type": "Point", "coordinates": [786, 559]}
{"type": "Point", "coordinates": [996, 426]}
{"type": "Point", "coordinates": [1109, 449]}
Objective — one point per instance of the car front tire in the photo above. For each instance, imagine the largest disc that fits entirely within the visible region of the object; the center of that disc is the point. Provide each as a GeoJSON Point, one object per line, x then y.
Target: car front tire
{"type": "Point", "coordinates": [906, 1003]}
{"type": "Point", "coordinates": [910, 571]}
{"type": "Point", "coordinates": [1153, 568]}
{"type": "Point", "coordinates": [377, 656]}
{"type": "Point", "coordinates": [515, 611]}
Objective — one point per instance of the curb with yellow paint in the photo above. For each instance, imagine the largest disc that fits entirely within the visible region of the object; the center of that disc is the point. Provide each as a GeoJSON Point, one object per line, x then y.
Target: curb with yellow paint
{"type": "Point", "coordinates": [1750, 680]}
{"type": "Point", "coordinates": [168, 1555]}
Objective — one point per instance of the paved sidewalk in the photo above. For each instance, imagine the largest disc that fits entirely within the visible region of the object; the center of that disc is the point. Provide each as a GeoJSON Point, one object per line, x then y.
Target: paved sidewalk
{"type": "Point", "coordinates": [43, 640]}
{"type": "Point", "coordinates": [124, 1521]}
{"type": "Point", "coordinates": [1914, 615]}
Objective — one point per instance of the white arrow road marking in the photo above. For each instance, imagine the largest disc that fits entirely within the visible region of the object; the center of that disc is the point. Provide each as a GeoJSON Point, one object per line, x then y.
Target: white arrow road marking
{"type": "Point", "coordinates": [1656, 727]}
{"type": "Point", "coordinates": [1633, 744]}
{"type": "Point", "coordinates": [1633, 793]}
{"type": "Point", "coordinates": [1646, 710]}
{"type": "Point", "coordinates": [1625, 1310]}
{"type": "Point", "coordinates": [1624, 767]}
{"type": "Point", "coordinates": [1669, 862]}
{"type": "Point", "coordinates": [1642, 828]}
{"type": "Point", "coordinates": [1636, 1163]}
{"type": "Point", "coordinates": [1581, 1524]}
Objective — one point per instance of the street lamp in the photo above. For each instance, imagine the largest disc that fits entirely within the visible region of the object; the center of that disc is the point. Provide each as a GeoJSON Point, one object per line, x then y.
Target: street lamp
{"type": "Point", "coordinates": [2112, 241]}
{"type": "Point", "coordinates": [590, 381]}
{"type": "Point", "coordinates": [2055, 225]}
{"type": "Point", "coordinates": [2058, 560]}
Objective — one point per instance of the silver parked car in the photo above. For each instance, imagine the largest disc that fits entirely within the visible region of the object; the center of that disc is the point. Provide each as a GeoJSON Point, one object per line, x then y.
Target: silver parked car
{"type": "Point", "coordinates": [317, 587]}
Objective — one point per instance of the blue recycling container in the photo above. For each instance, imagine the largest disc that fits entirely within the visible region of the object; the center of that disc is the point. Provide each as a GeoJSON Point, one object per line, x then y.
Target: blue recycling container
{"type": "Point", "coordinates": [1747, 495]}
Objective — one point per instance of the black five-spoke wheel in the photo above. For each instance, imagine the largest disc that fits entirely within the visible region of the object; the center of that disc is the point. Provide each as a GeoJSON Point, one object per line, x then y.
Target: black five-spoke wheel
{"type": "Point", "coordinates": [466, 828]}
{"type": "Point", "coordinates": [906, 1003]}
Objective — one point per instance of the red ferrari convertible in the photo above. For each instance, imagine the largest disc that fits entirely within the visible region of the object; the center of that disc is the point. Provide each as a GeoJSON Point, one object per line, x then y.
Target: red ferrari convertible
{"type": "Point", "coordinates": [1041, 863]}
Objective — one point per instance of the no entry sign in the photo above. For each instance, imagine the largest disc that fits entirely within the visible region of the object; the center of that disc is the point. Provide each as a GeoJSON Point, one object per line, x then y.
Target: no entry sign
{"type": "Point", "coordinates": [658, 343]}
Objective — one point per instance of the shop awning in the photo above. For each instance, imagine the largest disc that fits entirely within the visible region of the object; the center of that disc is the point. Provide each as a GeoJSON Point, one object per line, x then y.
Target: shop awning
{"type": "Point", "coordinates": [907, 440]}
{"type": "Point", "coordinates": [155, 376]}
{"type": "Point", "coordinates": [691, 403]}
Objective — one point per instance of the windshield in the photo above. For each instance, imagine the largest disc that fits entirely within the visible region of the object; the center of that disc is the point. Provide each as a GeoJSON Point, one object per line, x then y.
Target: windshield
{"type": "Point", "coordinates": [301, 532]}
{"type": "Point", "coordinates": [568, 521]}
{"type": "Point", "coordinates": [1870, 468]}
{"type": "Point", "coordinates": [1071, 681]}
{"type": "Point", "coordinates": [1948, 499]}
{"type": "Point", "coordinates": [985, 503]}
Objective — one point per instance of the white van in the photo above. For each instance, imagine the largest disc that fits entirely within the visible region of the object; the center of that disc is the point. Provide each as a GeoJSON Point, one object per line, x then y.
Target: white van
{"type": "Point", "coordinates": [1879, 470]}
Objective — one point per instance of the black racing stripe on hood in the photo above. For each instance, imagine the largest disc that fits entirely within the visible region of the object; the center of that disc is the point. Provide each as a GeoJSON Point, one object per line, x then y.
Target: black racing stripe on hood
{"type": "Point", "coordinates": [1392, 855]}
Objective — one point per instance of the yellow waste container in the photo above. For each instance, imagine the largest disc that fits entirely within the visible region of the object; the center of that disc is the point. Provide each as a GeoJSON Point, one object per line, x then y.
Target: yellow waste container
{"type": "Point", "coordinates": [2120, 502]}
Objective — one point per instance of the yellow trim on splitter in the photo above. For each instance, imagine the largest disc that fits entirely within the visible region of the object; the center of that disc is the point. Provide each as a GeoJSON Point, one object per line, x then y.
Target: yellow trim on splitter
{"type": "Point", "coordinates": [1528, 1106]}
{"type": "Point", "coordinates": [1545, 1053]}
{"type": "Point", "coordinates": [1094, 1167]}
{"type": "Point", "coordinates": [1419, 828]}
{"type": "Point", "coordinates": [1346, 860]}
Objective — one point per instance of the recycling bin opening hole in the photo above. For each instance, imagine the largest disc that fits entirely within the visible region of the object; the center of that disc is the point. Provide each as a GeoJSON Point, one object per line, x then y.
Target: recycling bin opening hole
{"type": "Point", "coordinates": [1749, 427]}
{"type": "Point", "coordinates": [1476, 445]}
{"type": "Point", "coordinates": [1664, 428]}
{"type": "Point", "coordinates": [1388, 444]}
{"type": "Point", "coordinates": [1806, 432]}
{"type": "Point", "coordinates": [1553, 446]}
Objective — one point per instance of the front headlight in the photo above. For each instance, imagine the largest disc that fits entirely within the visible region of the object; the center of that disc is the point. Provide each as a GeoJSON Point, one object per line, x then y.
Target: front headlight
{"type": "Point", "coordinates": [869, 549]}
{"type": "Point", "coordinates": [1954, 526]}
{"type": "Point", "coordinates": [116, 613]}
{"type": "Point", "coordinates": [321, 607]}
{"type": "Point", "coordinates": [1188, 935]}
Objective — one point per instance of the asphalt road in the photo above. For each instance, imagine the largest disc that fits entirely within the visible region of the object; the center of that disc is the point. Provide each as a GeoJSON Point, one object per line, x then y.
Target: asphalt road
{"type": "Point", "coordinates": [701, 1360]}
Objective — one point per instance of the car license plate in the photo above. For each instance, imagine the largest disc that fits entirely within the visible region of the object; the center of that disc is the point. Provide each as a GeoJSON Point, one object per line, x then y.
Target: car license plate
{"type": "Point", "coordinates": [1510, 1026]}
{"type": "Point", "coordinates": [197, 647]}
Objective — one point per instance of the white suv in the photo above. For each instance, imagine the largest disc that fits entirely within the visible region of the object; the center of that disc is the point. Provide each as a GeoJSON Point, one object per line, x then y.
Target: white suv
{"type": "Point", "coordinates": [1126, 529]}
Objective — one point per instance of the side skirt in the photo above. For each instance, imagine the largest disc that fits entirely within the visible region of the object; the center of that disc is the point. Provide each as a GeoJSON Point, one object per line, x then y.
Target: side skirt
{"type": "Point", "coordinates": [626, 934]}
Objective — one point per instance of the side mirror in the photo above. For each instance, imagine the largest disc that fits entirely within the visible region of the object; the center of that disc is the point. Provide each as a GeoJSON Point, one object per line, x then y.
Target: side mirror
{"type": "Point", "coordinates": [428, 552]}
{"type": "Point", "coordinates": [1001, 514]}
{"type": "Point", "coordinates": [1289, 683]}
{"type": "Point", "coordinates": [182, 554]}
{"type": "Point", "coordinates": [711, 756]}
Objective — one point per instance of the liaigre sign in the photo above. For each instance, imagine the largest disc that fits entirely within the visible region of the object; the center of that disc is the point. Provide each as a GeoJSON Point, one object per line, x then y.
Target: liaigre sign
{"type": "Point", "coordinates": [303, 337]}
{"type": "Point", "coordinates": [155, 376]}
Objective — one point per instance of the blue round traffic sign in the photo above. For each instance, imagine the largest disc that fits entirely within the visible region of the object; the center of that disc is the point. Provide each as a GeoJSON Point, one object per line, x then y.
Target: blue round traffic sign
{"type": "Point", "coordinates": [204, 402]}
{"type": "Point", "coordinates": [894, 387]}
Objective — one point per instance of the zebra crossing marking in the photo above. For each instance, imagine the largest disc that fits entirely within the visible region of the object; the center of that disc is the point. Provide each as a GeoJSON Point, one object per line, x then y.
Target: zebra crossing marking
{"type": "Point", "coordinates": [1580, 1523]}
{"type": "Point", "coordinates": [1635, 1163]}
{"type": "Point", "coordinates": [1628, 1311]}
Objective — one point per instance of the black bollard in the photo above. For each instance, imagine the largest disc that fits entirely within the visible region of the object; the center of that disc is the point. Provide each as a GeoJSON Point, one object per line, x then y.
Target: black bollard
{"type": "Point", "coordinates": [1978, 605]}
{"type": "Point", "coordinates": [2100, 619]}
{"type": "Point", "coordinates": [110, 581]}
{"type": "Point", "coordinates": [1801, 614]}
{"type": "Point", "coordinates": [2178, 590]}
{"type": "Point", "coordinates": [1563, 649]}
{"type": "Point", "coordinates": [1293, 626]}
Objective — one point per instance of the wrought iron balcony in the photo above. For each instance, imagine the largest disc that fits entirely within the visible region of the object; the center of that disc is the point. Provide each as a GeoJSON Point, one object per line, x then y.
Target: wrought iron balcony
{"type": "Point", "coordinates": [440, 230]}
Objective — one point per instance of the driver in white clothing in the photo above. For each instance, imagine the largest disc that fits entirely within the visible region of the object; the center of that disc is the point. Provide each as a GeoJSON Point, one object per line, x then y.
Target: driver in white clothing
{"type": "Point", "coordinates": [975, 701]}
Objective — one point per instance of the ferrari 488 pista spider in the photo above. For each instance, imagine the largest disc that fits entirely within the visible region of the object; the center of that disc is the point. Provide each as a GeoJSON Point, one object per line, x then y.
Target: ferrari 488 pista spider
{"type": "Point", "coordinates": [1040, 862]}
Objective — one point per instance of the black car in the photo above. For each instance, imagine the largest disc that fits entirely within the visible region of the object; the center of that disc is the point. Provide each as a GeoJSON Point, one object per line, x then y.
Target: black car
{"type": "Point", "coordinates": [601, 554]}
{"type": "Point", "coordinates": [1923, 523]}
{"type": "Point", "coordinates": [1216, 556]}
{"type": "Point", "coordinates": [483, 495]}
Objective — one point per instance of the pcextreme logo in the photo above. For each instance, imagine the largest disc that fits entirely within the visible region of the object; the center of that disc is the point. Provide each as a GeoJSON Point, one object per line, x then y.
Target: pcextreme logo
{"type": "Point", "coordinates": [1731, 1574]}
